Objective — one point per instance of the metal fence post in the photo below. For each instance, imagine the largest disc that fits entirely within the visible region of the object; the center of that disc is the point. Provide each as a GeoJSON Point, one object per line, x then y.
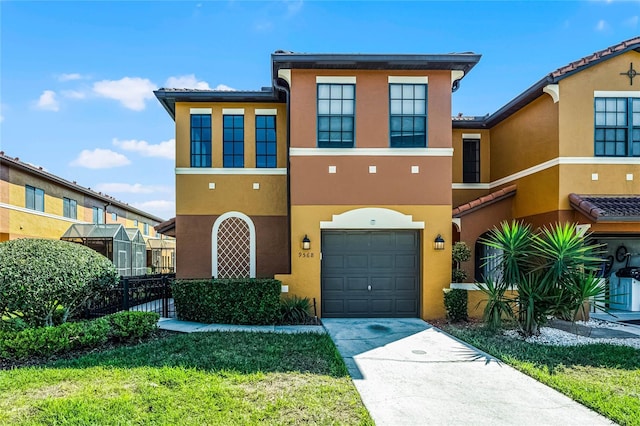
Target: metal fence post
{"type": "Point", "coordinates": [165, 298]}
{"type": "Point", "coordinates": [125, 294]}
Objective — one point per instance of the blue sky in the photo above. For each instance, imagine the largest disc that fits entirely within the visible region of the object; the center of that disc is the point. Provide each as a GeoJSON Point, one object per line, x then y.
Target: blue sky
{"type": "Point", "coordinates": [77, 77]}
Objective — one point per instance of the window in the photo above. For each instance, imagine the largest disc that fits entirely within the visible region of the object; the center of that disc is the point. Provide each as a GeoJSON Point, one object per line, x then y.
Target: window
{"type": "Point", "coordinates": [336, 113]}
{"type": "Point", "coordinates": [487, 261]}
{"type": "Point", "coordinates": [135, 222]}
{"type": "Point", "coordinates": [34, 198]}
{"type": "Point", "coordinates": [98, 215]}
{"type": "Point", "coordinates": [233, 141]}
{"type": "Point", "coordinates": [200, 140]}
{"type": "Point", "coordinates": [617, 127]}
{"type": "Point", "coordinates": [266, 141]}
{"type": "Point", "coordinates": [69, 208]}
{"type": "Point", "coordinates": [146, 228]}
{"type": "Point", "coordinates": [114, 216]}
{"type": "Point", "coordinates": [408, 115]}
{"type": "Point", "coordinates": [471, 160]}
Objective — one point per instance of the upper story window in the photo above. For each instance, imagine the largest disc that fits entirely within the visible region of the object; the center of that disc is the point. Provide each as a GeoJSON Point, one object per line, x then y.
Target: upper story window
{"type": "Point", "coordinates": [408, 115]}
{"type": "Point", "coordinates": [135, 222]}
{"type": "Point", "coordinates": [470, 160]}
{"type": "Point", "coordinates": [266, 141]}
{"type": "Point", "coordinates": [200, 140]}
{"type": "Point", "coordinates": [34, 198]}
{"type": "Point", "coordinates": [98, 215]}
{"type": "Point", "coordinates": [69, 208]}
{"type": "Point", "coordinates": [617, 127]}
{"type": "Point", "coordinates": [114, 216]}
{"type": "Point", "coordinates": [146, 228]}
{"type": "Point", "coordinates": [233, 141]}
{"type": "Point", "coordinates": [336, 115]}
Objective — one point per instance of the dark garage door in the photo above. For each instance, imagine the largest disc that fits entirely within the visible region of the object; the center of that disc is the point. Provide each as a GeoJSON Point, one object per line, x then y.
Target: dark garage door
{"type": "Point", "coordinates": [370, 274]}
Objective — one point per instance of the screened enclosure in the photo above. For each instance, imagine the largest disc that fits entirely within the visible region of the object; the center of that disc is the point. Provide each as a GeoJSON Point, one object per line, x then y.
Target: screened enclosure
{"type": "Point", "coordinates": [161, 256]}
{"type": "Point", "coordinates": [138, 252]}
{"type": "Point", "coordinates": [110, 240]}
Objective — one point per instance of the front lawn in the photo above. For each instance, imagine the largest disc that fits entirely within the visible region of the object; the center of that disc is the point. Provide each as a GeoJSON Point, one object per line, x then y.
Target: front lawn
{"type": "Point", "coordinates": [603, 377]}
{"type": "Point", "coordinates": [200, 378]}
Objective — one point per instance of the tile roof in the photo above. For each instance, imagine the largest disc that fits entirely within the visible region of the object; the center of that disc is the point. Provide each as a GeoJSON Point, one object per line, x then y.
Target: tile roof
{"type": "Point", "coordinates": [602, 208]}
{"type": "Point", "coordinates": [168, 227]}
{"type": "Point", "coordinates": [484, 201]}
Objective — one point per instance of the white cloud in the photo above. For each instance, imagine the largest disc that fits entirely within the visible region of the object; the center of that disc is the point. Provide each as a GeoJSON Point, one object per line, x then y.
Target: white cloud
{"type": "Point", "coordinates": [131, 92]}
{"type": "Point", "coordinates": [74, 94]}
{"type": "Point", "coordinates": [602, 25]}
{"type": "Point", "coordinates": [186, 82]}
{"type": "Point", "coordinates": [293, 7]}
{"type": "Point", "coordinates": [166, 149]}
{"type": "Point", "coordinates": [632, 22]}
{"type": "Point", "coordinates": [100, 159]}
{"type": "Point", "coordinates": [162, 208]}
{"type": "Point", "coordinates": [70, 77]}
{"type": "Point", "coordinates": [47, 101]}
{"type": "Point", "coordinates": [136, 188]}
{"type": "Point", "coordinates": [224, 87]}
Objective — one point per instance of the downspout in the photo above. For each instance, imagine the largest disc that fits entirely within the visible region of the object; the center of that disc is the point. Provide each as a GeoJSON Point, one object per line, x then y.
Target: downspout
{"type": "Point", "coordinates": [287, 92]}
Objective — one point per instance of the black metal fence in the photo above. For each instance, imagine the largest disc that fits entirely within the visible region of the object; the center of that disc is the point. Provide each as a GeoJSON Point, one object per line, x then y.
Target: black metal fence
{"type": "Point", "coordinates": [146, 293]}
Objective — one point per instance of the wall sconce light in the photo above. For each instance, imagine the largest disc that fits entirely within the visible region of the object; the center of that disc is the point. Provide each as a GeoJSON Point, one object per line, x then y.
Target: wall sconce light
{"type": "Point", "coordinates": [438, 243]}
{"type": "Point", "coordinates": [306, 243]}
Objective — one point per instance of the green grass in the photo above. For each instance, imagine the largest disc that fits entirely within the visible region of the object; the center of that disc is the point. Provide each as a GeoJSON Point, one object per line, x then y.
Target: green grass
{"type": "Point", "coordinates": [605, 378]}
{"type": "Point", "coordinates": [200, 378]}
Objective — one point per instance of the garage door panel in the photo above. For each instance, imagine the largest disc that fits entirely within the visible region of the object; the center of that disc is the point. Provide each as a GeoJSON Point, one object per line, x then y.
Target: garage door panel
{"type": "Point", "coordinates": [382, 261]}
{"type": "Point", "coordinates": [333, 261]}
{"type": "Point", "coordinates": [357, 261]}
{"type": "Point", "coordinates": [406, 284]}
{"type": "Point", "coordinates": [333, 284]}
{"type": "Point", "coordinates": [409, 261]}
{"type": "Point", "coordinates": [355, 284]}
{"type": "Point", "coordinates": [386, 260]}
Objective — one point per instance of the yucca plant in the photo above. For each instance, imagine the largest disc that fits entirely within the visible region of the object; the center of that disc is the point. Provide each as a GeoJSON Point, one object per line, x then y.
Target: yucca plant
{"type": "Point", "coordinates": [553, 270]}
{"type": "Point", "coordinates": [295, 310]}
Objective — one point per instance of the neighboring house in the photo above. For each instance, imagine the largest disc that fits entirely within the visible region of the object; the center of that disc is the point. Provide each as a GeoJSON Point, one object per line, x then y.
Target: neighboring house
{"type": "Point", "coordinates": [567, 149]}
{"type": "Point", "coordinates": [335, 180]}
{"type": "Point", "coordinates": [37, 204]}
{"type": "Point", "coordinates": [341, 178]}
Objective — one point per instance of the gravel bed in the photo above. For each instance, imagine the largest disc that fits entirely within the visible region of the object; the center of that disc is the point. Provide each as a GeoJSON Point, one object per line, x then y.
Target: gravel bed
{"type": "Point", "coordinates": [553, 336]}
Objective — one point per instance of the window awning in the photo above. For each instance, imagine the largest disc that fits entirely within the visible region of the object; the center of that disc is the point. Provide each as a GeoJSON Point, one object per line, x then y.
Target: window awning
{"type": "Point", "coordinates": [607, 208]}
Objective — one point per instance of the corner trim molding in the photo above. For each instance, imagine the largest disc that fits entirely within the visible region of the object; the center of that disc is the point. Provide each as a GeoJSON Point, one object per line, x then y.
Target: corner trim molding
{"type": "Point", "coordinates": [552, 90]}
{"type": "Point", "coordinates": [223, 171]}
{"type": "Point", "coordinates": [374, 152]}
{"type": "Point", "coordinates": [455, 76]}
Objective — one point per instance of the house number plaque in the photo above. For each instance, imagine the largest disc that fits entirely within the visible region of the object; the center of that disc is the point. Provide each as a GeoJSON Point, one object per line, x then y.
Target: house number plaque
{"type": "Point", "coordinates": [305, 254]}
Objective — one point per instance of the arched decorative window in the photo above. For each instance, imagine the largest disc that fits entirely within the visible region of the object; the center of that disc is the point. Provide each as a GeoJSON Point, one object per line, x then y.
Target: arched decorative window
{"type": "Point", "coordinates": [233, 246]}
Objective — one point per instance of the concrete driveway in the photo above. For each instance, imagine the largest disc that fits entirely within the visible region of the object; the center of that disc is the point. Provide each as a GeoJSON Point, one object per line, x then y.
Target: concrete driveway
{"type": "Point", "coordinates": [410, 373]}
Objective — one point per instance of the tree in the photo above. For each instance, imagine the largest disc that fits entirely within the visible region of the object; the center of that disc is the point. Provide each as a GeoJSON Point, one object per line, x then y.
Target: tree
{"type": "Point", "coordinates": [38, 277]}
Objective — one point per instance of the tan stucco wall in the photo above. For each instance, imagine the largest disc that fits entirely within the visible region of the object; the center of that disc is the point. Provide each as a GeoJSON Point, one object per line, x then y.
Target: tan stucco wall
{"type": "Point", "coordinates": [232, 192]}
{"type": "Point", "coordinates": [304, 280]}
{"type": "Point", "coordinates": [183, 131]}
{"type": "Point", "coordinates": [372, 106]}
{"type": "Point", "coordinates": [485, 154]}
{"type": "Point", "coordinates": [576, 108]}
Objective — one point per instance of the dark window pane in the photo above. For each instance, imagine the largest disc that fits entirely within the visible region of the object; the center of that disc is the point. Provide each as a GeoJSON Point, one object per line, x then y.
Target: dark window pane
{"type": "Point", "coordinates": [227, 121]}
{"type": "Point", "coordinates": [196, 121]}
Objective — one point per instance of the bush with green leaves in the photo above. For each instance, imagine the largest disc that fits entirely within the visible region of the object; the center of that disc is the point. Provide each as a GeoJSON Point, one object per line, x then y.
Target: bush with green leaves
{"type": "Point", "coordinates": [38, 277]}
{"type": "Point", "coordinates": [296, 310]}
{"type": "Point", "coordinates": [55, 340]}
{"type": "Point", "coordinates": [228, 301]}
{"type": "Point", "coordinates": [460, 252]}
{"type": "Point", "coordinates": [554, 270]}
{"type": "Point", "coordinates": [132, 325]}
{"type": "Point", "coordinates": [455, 302]}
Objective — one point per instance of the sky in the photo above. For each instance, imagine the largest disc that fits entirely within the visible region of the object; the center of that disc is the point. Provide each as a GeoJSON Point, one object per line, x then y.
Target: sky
{"type": "Point", "coordinates": [77, 78]}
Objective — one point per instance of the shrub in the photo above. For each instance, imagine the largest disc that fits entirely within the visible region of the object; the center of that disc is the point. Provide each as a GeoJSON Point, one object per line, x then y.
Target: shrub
{"type": "Point", "coordinates": [295, 310]}
{"type": "Point", "coordinates": [460, 252]}
{"type": "Point", "coordinates": [228, 301]}
{"type": "Point", "coordinates": [39, 276]}
{"type": "Point", "coordinates": [132, 325]}
{"type": "Point", "coordinates": [455, 302]}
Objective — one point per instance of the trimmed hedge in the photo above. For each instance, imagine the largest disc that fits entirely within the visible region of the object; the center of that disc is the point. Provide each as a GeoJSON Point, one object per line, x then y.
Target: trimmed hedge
{"type": "Point", "coordinates": [48, 341]}
{"type": "Point", "coordinates": [455, 302]}
{"type": "Point", "coordinates": [228, 301]}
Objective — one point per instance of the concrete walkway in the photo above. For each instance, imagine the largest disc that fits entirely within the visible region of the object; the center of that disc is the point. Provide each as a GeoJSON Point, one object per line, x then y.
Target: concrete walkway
{"type": "Point", "coordinates": [173, 324]}
{"type": "Point", "coordinates": [410, 373]}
